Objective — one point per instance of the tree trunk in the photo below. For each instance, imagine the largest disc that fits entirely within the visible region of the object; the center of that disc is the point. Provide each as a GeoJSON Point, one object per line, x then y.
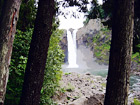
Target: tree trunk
{"type": "Point", "coordinates": [1, 3]}
{"type": "Point", "coordinates": [120, 53]}
{"type": "Point", "coordinates": [8, 23]}
{"type": "Point", "coordinates": [34, 73]}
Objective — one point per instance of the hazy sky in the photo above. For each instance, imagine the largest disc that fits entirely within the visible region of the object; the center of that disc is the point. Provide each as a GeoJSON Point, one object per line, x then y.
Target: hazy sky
{"type": "Point", "coordinates": [72, 22]}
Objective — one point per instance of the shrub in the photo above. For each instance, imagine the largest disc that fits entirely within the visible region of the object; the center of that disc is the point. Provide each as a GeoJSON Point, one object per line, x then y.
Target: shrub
{"type": "Point", "coordinates": [101, 44]}
{"type": "Point", "coordinates": [136, 102]}
{"type": "Point", "coordinates": [53, 71]}
{"type": "Point", "coordinates": [17, 66]}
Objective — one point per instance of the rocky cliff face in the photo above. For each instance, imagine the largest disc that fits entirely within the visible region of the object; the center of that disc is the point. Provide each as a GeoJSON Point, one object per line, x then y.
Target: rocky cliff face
{"type": "Point", "coordinates": [64, 45]}
{"type": "Point", "coordinates": [95, 39]}
{"type": "Point", "coordinates": [88, 31]}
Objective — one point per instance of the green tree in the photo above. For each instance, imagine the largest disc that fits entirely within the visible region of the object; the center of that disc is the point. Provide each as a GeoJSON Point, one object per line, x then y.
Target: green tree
{"type": "Point", "coordinates": [96, 11]}
{"type": "Point", "coordinates": [27, 15]}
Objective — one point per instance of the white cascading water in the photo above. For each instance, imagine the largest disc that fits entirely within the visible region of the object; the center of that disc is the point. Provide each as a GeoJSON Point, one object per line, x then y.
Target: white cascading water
{"type": "Point", "coordinates": [71, 39]}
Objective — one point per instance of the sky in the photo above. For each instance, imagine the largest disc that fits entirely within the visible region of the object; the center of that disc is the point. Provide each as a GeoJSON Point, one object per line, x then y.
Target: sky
{"type": "Point", "coordinates": [71, 22]}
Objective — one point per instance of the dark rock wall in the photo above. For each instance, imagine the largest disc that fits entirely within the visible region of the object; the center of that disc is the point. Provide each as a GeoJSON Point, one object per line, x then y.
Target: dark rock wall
{"type": "Point", "coordinates": [86, 33]}
{"type": "Point", "coordinates": [64, 45]}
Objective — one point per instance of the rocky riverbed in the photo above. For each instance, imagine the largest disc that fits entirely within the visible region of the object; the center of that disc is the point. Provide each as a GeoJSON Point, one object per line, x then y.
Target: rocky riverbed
{"type": "Point", "coordinates": [84, 89]}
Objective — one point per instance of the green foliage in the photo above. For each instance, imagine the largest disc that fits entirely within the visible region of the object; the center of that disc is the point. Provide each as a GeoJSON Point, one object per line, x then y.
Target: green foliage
{"type": "Point", "coordinates": [70, 87]}
{"type": "Point", "coordinates": [103, 84]}
{"type": "Point", "coordinates": [67, 73]}
{"type": "Point", "coordinates": [96, 11]}
{"type": "Point", "coordinates": [136, 41]}
{"type": "Point", "coordinates": [20, 54]}
{"type": "Point", "coordinates": [53, 71]}
{"type": "Point", "coordinates": [136, 102]}
{"type": "Point", "coordinates": [136, 56]}
{"type": "Point", "coordinates": [101, 44]}
{"type": "Point", "coordinates": [17, 66]}
{"type": "Point", "coordinates": [27, 15]}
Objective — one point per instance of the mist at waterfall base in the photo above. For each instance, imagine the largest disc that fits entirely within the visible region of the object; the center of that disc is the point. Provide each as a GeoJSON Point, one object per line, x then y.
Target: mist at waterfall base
{"type": "Point", "coordinates": [80, 58]}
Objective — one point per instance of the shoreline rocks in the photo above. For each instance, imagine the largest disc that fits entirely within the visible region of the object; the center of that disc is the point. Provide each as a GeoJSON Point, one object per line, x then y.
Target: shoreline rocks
{"type": "Point", "coordinates": [83, 89]}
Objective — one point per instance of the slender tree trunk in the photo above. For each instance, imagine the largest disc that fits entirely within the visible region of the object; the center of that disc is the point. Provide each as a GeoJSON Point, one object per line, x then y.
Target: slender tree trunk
{"type": "Point", "coordinates": [8, 23]}
{"type": "Point", "coordinates": [120, 53]}
{"type": "Point", "coordinates": [34, 73]}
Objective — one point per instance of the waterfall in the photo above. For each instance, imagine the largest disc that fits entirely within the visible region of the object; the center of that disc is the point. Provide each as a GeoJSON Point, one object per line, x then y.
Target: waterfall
{"type": "Point", "coordinates": [71, 38]}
